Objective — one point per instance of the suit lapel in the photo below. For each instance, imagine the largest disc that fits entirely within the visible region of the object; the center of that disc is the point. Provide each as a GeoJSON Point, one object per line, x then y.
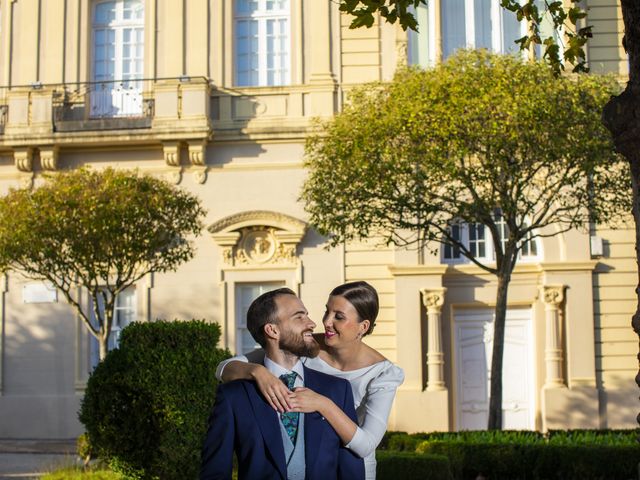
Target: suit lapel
{"type": "Point", "coordinates": [267, 421]}
{"type": "Point", "coordinates": [314, 425]}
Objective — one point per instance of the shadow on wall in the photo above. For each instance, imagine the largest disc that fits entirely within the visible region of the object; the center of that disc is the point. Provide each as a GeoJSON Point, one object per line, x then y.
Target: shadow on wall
{"type": "Point", "coordinates": [619, 404]}
{"type": "Point", "coordinates": [38, 353]}
{"type": "Point", "coordinates": [614, 407]}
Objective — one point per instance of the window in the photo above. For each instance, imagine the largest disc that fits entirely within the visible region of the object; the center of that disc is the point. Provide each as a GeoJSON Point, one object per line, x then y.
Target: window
{"type": "Point", "coordinates": [118, 58]}
{"type": "Point", "coordinates": [262, 42]}
{"type": "Point", "coordinates": [451, 252]}
{"type": "Point", "coordinates": [477, 242]}
{"type": "Point", "coordinates": [477, 238]}
{"type": "Point", "coordinates": [464, 24]}
{"type": "Point", "coordinates": [245, 294]}
{"type": "Point", "coordinates": [125, 311]}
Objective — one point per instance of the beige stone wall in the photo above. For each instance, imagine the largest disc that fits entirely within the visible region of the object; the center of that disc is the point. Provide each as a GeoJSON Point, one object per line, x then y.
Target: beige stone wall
{"type": "Point", "coordinates": [605, 51]}
{"type": "Point", "coordinates": [614, 281]}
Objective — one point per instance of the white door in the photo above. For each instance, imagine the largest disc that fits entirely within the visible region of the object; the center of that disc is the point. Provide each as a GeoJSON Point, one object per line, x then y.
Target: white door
{"type": "Point", "coordinates": [245, 294]}
{"type": "Point", "coordinates": [473, 337]}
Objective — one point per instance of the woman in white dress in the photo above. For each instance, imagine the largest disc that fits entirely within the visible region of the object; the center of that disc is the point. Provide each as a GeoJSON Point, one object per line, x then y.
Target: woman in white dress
{"type": "Point", "coordinates": [351, 312]}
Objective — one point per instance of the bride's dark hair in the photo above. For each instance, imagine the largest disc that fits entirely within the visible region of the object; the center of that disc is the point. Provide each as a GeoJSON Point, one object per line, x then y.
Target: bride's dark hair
{"type": "Point", "coordinates": [363, 297]}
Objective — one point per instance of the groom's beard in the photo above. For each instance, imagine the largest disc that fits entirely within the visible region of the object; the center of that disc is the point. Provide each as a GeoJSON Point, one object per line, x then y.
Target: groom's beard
{"type": "Point", "coordinates": [295, 344]}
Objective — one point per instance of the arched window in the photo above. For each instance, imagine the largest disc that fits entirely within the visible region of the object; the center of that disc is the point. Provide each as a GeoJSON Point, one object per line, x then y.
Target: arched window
{"type": "Point", "coordinates": [118, 58]}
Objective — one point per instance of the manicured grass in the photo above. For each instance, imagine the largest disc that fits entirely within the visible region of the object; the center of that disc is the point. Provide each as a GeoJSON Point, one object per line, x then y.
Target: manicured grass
{"type": "Point", "coordinates": [77, 473]}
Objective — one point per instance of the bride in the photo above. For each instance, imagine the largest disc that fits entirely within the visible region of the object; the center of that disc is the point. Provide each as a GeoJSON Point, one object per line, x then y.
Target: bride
{"type": "Point", "coordinates": [350, 314]}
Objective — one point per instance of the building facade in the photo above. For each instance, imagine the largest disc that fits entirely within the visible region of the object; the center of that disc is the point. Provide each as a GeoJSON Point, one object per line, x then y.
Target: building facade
{"type": "Point", "coordinates": [217, 96]}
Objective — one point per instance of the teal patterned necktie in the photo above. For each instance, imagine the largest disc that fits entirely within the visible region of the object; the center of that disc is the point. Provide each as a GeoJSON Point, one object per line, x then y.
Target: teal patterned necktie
{"type": "Point", "coordinates": [290, 419]}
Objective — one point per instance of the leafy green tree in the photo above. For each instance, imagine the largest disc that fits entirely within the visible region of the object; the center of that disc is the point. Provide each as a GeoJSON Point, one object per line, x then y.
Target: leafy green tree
{"type": "Point", "coordinates": [566, 17]}
{"type": "Point", "coordinates": [101, 230]}
{"type": "Point", "coordinates": [620, 113]}
{"type": "Point", "coordinates": [480, 140]}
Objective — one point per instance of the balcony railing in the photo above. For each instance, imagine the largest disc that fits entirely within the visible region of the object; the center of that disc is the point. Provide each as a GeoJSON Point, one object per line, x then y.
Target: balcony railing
{"type": "Point", "coordinates": [102, 106]}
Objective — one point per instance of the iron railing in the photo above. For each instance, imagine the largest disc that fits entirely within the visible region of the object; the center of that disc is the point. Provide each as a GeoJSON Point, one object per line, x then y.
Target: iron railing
{"type": "Point", "coordinates": [103, 105]}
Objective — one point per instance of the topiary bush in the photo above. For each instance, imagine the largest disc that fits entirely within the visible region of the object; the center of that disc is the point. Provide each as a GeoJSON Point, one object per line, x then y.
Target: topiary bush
{"type": "Point", "coordinates": [146, 405]}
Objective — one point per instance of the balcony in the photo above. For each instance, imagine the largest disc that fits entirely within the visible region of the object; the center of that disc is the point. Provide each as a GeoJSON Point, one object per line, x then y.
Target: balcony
{"type": "Point", "coordinates": [112, 105]}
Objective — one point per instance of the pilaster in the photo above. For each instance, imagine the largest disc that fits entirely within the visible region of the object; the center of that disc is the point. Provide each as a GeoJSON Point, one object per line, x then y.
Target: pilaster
{"type": "Point", "coordinates": [433, 300]}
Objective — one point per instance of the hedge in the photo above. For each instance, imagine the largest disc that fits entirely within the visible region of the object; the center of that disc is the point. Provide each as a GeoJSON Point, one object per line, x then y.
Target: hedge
{"type": "Point", "coordinates": [146, 405]}
{"type": "Point", "coordinates": [410, 466]}
{"type": "Point", "coordinates": [577, 454]}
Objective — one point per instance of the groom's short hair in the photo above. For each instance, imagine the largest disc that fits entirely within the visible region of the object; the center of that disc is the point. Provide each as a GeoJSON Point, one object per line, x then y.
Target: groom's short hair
{"type": "Point", "coordinates": [264, 310]}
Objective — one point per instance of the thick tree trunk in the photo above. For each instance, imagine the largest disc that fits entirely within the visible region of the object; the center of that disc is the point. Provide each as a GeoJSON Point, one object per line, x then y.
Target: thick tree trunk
{"type": "Point", "coordinates": [495, 399]}
{"type": "Point", "coordinates": [622, 117]}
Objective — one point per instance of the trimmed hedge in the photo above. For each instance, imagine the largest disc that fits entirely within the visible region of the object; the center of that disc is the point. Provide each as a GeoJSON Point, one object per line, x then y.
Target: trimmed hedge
{"type": "Point", "coordinates": [577, 454]}
{"type": "Point", "coordinates": [146, 405]}
{"type": "Point", "coordinates": [410, 466]}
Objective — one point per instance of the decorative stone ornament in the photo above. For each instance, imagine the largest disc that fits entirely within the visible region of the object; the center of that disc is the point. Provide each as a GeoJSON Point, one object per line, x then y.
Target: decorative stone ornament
{"type": "Point", "coordinates": [197, 153]}
{"type": "Point", "coordinates": [258, 238]}
{"type": "Point", "coordinates": [23, 158]}
{"type": "Point", "coordinates": [49, 157]}
{"type": "Point", "coordinates": [171, 151]}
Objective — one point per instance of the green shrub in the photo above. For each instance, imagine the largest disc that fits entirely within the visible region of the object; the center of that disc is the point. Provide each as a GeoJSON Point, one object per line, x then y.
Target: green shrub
{"type": "Point", "coordinates": [410, 466]}
{"type": "Point", "coordinates": [494, 460]}
{"type": "Point", "coordinates": [146, 405]}
{"type": "Point", "coordinates": [587, 462]}
{"type": "Point", "coordinates": [594, 437]}
{"type": "Point", "coordinates": [570, 454]}
{"type": "Point", "coordinates": [536, 461]}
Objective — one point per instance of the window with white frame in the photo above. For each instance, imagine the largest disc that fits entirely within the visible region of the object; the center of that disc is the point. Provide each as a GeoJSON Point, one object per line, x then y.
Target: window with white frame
{"type": "Point", "coordinates": [262, 43]}
{"type": "Point", "coordinates": [464, 24]}
{"type": "Point", "coordinates": [118, 58]}
{"type": "Point", "coordinates": [125, 311]}
{"type": "Point", "coordinates": [245, 294]}
{"type": "Point", "coordinates": [477, 239]}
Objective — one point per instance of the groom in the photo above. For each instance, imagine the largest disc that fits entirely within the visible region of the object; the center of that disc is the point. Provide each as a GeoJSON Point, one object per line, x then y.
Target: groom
{"type": "Point", "coordinates": [269, 445]}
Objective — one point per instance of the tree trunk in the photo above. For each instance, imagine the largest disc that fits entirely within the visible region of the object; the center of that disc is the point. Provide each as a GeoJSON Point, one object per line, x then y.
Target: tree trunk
{"type": "Point", "coordinates": [622, 117]}
{"type": "Point", "coordinates": [103, 341]}
{"type": "Point", "coordinates": [495, 398]}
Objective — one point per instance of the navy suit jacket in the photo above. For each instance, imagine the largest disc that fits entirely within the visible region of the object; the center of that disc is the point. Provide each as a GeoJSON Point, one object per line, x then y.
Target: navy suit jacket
{"type": "Point", "coordinates": [242, 421]}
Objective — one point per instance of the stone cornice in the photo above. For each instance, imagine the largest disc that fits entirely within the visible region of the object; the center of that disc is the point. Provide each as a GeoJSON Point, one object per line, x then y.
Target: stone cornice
{"type": "Point", "coordinates": [258, 217]}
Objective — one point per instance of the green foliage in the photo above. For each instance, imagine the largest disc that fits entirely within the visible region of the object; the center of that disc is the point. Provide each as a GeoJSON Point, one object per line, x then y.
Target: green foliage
{"type": "Point", "coordinates": [560, 16]}
{"type": "Point", "coordinates": [102, 230]}
{"type": "Point", "coordinates": [77, 473]}
{"type": "Point", "coordinates": [409, 466]}
{"type": "Point", "coordinates": [573, 454]}
{"type": "Point", "coordinates": [402, 441]}
{"type": "Point", "coordinates": [452, 144]}
{"type": "Point", "coordinates": [146, 405]}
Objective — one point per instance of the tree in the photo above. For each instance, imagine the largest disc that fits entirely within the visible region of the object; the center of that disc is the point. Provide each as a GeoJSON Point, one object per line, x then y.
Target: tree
{"type": "Point", "coordinates": [564, 17]}
{"type": "Point", "coordinates": [481, 141]}
{"type": "Point", "coordinates": [100, 230]}
{"type": "Point", "coordinates": [619, 114]}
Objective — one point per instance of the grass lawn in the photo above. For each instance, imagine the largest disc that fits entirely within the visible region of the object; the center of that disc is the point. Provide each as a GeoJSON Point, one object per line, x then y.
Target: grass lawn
{"type": "Point", "coordinates": [77, 473]}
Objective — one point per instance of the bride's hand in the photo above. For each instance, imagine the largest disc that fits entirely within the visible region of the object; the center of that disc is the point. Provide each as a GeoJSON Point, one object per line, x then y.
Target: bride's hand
{"type": "Point", "coordinates": [305, 400]}
{"type": "Point", "coordinates": [273, 390]}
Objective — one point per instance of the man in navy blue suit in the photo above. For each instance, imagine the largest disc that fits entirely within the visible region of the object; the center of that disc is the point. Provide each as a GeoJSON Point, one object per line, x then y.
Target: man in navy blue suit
{"type": "Point", "coordinates": [270, 445]}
